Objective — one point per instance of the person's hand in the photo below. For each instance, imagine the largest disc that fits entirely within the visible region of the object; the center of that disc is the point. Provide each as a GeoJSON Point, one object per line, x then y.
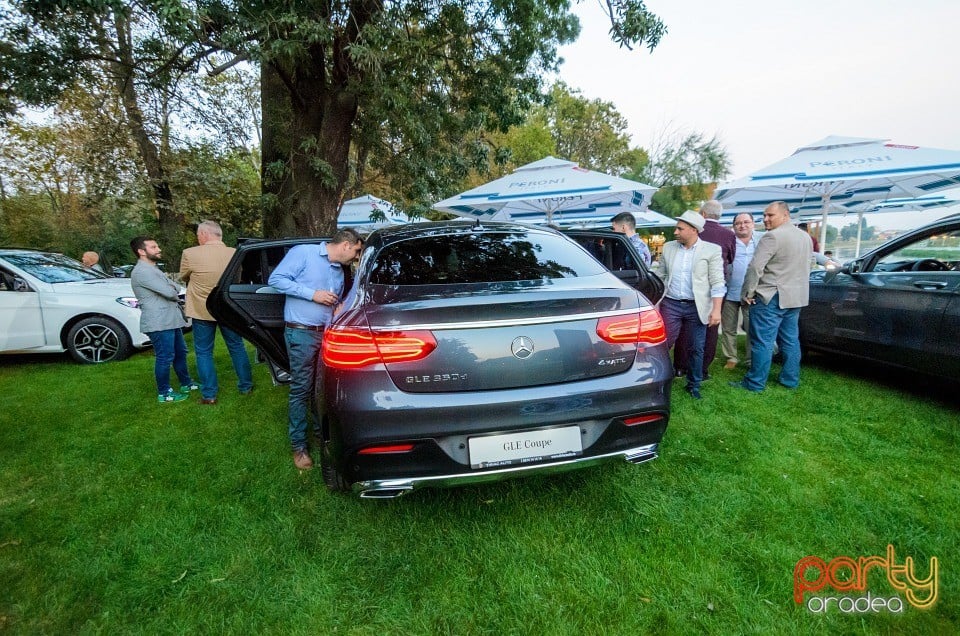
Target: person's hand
{"type": "Point", "coordinates": [714, 318]}
{"type": "Point", "coordinates": [324, 297]}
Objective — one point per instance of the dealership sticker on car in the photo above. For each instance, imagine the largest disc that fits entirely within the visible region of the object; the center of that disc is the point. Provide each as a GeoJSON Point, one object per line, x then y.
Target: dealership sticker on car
{"type": "Point", "coordinates": [491, 451]}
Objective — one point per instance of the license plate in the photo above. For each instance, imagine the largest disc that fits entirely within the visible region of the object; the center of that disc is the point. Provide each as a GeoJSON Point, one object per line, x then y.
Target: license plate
{"type": "Point", "coordinates": [491, 451]}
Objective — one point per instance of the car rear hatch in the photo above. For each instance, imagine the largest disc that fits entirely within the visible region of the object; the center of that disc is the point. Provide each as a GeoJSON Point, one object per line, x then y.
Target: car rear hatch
{"type": "Point", "coordinates": [506, 338]}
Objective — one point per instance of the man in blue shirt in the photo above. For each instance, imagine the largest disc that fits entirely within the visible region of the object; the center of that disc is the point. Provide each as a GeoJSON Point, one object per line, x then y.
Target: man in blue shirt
{"type": "Point", "coordinates": [734, 310]}
{"type": "Point", "coordinates": [626, 223]}
{"type": "Point", "coordinates": [312, 278]}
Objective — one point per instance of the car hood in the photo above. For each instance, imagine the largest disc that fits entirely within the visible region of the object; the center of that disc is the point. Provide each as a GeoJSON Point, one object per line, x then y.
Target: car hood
{"type": "Point", "coordinates": [102, 287]}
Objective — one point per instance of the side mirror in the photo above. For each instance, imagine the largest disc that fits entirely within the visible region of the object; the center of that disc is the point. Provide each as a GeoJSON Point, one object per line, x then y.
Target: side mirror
{"type": "Point", "coordinates": [833, 268]}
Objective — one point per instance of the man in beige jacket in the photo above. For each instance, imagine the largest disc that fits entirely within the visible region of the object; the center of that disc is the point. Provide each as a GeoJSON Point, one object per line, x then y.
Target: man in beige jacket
{"type": "Point", "coordinates": [776, 286]}
{"type": "Point", "coordinates": [692, 271]}
{"type": "Point", "coordinates": [201, 268]}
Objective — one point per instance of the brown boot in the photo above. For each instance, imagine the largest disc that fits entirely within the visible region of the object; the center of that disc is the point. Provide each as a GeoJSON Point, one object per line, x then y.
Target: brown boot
{"type": "Point", "coordinates": [301, 459]}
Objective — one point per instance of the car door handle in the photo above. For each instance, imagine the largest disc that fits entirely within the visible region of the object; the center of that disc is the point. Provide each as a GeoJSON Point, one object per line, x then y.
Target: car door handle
{"type": "Point", "coordinates": [929, 284]}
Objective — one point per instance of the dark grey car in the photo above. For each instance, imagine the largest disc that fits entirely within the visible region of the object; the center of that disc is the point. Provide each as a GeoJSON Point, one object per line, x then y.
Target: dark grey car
{"type": "Point", "coordinates": [471, 353]}
{"type": "Point", "coordinates": [898, 305]}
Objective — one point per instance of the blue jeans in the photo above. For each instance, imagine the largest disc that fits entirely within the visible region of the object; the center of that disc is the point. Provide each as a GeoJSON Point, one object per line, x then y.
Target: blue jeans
{"type": "Point", "coordinates": [770, 325]}
{"type": "Point", "coordinates": [170, 350]}
{"type": "Point", "coordinates": [303, 350]}
{"type": "Point", "coordinates": [204, 334]}
{"type": "Point", "coordinates": [679, 316]}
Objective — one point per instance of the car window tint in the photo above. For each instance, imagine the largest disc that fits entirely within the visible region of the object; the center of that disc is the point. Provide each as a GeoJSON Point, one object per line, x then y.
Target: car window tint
{"type": "Point", "coordinates": [943, 247]}
{"type": "Point", "coordinates": [485, 257]}
{"type": "Point", "coordinates": [621, 257]}
{"type": "Point", "coordinates": [53, 268]}
{"type": "Point", "coordinates": [258, 264]}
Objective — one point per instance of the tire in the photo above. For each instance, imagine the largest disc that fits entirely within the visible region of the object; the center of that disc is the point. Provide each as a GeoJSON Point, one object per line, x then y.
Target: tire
{"type": "Point", "coordinates": [332, 477]}
{"type": "Point", "coordinates": [98, 339]}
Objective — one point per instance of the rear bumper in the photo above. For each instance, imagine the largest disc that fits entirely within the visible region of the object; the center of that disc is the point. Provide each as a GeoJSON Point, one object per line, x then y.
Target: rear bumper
{"type": "Point", "coordinates": [398, 486]}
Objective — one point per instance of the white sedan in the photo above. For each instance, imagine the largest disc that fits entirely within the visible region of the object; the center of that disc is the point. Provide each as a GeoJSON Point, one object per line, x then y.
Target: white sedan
{"type": "Point", "coordinates": [50, 303]}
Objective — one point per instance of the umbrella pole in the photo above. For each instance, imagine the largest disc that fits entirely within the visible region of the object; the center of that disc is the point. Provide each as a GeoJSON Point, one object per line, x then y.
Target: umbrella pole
{"type": "Point", "coordinates": [823, 223]}
{"type": "Point", "coordinates": [859, 230]}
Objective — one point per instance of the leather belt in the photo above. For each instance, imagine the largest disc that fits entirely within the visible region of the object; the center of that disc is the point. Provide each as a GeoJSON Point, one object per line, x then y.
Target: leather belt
{"type": "Point", "coordinates": [297, 325]}
{"type": "Point", "coordinates": [681, 300]}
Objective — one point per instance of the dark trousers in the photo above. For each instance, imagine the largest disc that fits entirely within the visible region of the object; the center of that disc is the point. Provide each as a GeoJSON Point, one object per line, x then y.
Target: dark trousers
{"type": "Point", "coordinates": [681, 353]}
{"type": "Point", "coordinates": [677, 317]}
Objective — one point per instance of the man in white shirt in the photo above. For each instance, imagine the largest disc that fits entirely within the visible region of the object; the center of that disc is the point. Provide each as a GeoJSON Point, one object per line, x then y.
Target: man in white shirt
{"type": "Point", "coordinates": [693, 276]}
{"type": "Point", "coordinates": [734, 311]}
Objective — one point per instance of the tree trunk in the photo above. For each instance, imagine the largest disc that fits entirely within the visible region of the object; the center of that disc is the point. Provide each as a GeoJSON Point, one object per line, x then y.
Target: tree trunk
{"type": "Point", "coordinates": [309, 110]}
{"type": "Point", "coordinates": [275, 183]}
{"type": "Point", "coordinates": [122, 72]}
{"type": "Point", "coordinates": [306, 144]}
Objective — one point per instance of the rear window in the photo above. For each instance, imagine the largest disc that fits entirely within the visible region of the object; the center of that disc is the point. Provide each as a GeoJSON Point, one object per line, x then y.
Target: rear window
{"type": "Point", "coordinates": [486, 257]}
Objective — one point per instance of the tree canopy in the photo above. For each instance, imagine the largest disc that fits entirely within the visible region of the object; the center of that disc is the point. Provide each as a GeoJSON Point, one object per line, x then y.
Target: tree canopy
{"type": "Point", "coordinates": [684, 166]}
{"type": "Point", "coordinates": [405, 88]}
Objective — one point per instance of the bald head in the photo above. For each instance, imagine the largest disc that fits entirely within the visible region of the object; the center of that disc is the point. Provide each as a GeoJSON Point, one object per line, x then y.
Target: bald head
{"type": "Point", "coordinates": [89, 259]}
{"type": "Point", "coordinates": [775, 215]}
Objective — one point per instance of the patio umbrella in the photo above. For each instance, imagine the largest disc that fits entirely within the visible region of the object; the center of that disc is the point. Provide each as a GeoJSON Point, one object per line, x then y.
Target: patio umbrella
{"type": "Point", "coordinates": [552, 191]}
{"type": "Point", "coordinates": [647, 218]}
{"type": "Point", "coordinates": [840, 170]}
{"type": "Point", "coordinates": [357, 214]}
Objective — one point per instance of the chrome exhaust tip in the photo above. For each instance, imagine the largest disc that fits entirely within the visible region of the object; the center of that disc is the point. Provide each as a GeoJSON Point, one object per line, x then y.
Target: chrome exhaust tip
{"type": "Point", "coordinates": [641, 458]}
{"type": "Point", "coordinates": [384, 493]}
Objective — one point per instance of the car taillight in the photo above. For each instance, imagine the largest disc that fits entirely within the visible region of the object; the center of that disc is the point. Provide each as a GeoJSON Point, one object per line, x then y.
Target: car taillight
{"type": "Point", "coordinates": [642, 419]}
{"type": "Point", "coordinates": [352, 348]}
{"type": "Point", "coordinates": [642, 327]}
{"type": "Point", "coordinates": [652, 329]}
{"type": "Point", "coordinates": [386, 449]}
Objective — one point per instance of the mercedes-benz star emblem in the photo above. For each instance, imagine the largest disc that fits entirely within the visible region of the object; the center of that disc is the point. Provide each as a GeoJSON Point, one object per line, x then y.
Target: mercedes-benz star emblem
{"type": "Point", "coordinates": [522, 347]}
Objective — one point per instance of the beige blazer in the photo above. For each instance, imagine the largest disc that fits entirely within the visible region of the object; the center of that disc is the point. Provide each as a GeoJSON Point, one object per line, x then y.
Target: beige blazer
{"type": "Point", "coordinates": [781, 265]}
{"type": "Point", "coordinates": [200, 270]}
{"type": "Point", "coordinates": [707, 273]}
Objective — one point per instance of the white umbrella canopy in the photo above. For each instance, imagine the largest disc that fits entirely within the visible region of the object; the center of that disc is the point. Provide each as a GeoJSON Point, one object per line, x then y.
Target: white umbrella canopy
{"type": "Point", "coordinates": [356, 214]}
{"type": "Point", "coordinates": [553, 191]}
{"type": "Point", "coordinates": [647, 218]}
{"type": "Point", "coordinates": [836, 171]}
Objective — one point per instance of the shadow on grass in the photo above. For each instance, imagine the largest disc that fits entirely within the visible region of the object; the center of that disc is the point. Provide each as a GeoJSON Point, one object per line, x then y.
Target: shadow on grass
{"type": "Point", "coordinates": [907, 381]}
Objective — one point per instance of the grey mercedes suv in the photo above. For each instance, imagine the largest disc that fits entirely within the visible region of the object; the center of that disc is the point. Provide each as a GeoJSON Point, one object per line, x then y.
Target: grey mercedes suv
{"type": "Point", "coordinates": [471, 353]}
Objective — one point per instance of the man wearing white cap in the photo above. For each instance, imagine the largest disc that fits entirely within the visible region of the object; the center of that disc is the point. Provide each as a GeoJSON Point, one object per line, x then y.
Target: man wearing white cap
{"type": "Point", "coordinates": [692, 271]}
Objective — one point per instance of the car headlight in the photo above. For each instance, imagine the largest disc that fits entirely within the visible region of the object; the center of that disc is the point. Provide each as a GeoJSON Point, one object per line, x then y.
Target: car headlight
{"type": "Point", "coordinates": [129, 301]}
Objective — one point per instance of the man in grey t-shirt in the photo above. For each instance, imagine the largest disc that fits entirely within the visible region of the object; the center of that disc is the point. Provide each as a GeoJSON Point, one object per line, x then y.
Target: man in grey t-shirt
{"type": "Point", "coordinates": [161, 319]}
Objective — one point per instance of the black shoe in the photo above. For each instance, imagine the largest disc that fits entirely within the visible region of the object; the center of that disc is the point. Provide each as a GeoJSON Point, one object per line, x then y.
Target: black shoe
{"type": "Point", "coordinates": [679, 373]}
{"type": "Point", "coordinates": [694, 392]}
{"type": "Point", "coordinates": [706, 376]}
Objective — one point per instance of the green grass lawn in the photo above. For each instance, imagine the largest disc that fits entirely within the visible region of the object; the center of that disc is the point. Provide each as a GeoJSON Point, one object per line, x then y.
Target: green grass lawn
{"type": "Point", "coordinates": [119, 515]}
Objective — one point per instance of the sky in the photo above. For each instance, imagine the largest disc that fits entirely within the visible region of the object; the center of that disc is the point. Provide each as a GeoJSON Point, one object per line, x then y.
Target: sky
{"type": "Point", "coordinates": [769, 76]}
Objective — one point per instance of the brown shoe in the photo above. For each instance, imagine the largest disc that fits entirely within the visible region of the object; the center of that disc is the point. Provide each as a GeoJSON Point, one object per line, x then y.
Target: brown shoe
{"type": "Point", "coordinates": [301, 459]}
{"type": "Point", "coordinates": [208, 400]}
{"type": "Point", "coordinates": [730, 365]}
